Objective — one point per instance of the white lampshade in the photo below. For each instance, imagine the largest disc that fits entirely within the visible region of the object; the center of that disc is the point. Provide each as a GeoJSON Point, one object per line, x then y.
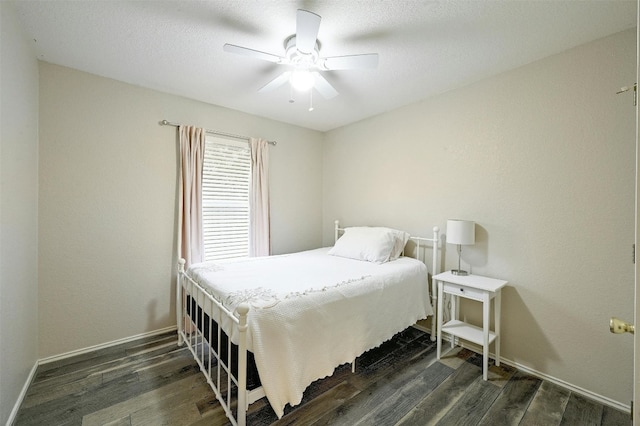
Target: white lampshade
{"type": "Point", "coordinates": [461, 231]}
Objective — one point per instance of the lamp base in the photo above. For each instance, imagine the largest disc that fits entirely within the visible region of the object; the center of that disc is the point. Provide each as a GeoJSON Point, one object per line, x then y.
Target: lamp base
{"type": "Point", "coordinates": [459, 272]}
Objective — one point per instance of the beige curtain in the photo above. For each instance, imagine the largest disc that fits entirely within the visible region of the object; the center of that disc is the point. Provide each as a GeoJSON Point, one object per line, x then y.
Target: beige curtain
{"type": "Point", "coordinates": [259, 229]}
{"type": "Point", "coordinates": [191, 241]}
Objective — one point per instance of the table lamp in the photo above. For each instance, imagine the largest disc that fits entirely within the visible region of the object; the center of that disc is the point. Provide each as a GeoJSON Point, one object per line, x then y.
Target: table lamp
{"type": "Point", "coordinates": [460, 232]}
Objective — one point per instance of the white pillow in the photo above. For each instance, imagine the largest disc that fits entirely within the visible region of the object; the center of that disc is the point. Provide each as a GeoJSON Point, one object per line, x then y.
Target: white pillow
{"type": "Point", "coordinates": [401, 239]}
{"type": "Point", "coordinates": [365, 243]}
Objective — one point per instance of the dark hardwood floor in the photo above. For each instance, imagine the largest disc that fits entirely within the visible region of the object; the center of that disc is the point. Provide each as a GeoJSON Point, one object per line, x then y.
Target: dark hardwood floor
{"type": "Point", "coordinates": [153, 382]}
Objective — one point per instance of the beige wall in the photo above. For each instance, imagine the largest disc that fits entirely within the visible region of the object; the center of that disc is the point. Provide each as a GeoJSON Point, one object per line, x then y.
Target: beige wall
{"type": "Point", "coordinates": [542, 158]}
{"type": "Point", "coordinates": [108, 202]}
{"type": "Point", "coordinates": [18, 210]}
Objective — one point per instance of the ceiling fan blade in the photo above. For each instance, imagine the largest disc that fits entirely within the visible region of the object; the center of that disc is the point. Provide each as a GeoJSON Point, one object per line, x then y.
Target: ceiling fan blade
{"type": "Point", "coordinates": [367, 61]}
{"type": "Point", "coordinates": [239, 50]}
{"type": "Point", "coordinates": [276, 82]}
{"type": "Point", "coordinates": [307, 27]}
{"type": "Point", "coordinates": [324, 87]}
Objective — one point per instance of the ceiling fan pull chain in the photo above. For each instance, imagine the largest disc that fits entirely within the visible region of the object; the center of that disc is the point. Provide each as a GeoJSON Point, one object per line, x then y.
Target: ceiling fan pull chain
{"type": "Point", "coordinates": [311, 100]}
{"type": "Point", "coordinates": [291, 98]}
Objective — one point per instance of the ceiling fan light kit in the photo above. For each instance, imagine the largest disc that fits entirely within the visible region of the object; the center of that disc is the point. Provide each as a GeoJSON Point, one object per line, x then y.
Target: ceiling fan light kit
{"type": "Point", "coordinates": [302, 55]}
{"type": "Point", "coordinates": [302, 80]}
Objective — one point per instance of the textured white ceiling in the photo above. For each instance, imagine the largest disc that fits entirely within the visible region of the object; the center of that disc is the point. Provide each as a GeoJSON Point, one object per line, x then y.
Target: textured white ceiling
{"type": "Point", "coordinates": [425, 47]}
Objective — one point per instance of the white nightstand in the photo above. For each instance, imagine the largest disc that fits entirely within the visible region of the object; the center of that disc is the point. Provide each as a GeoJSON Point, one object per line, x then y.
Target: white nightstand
{"type": "Point", "coordinates": [473, 287]}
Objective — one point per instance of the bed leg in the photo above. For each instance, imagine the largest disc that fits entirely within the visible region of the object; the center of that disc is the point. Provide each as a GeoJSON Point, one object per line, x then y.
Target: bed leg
{"type": "Point", "coordinates": [179, 301]}
{"type": "Point", "coordinates": [243, 310]}
{"type": "Point", "coordinates": [436, 270]}
{"type": "Point", "coordinates": [434, 303]}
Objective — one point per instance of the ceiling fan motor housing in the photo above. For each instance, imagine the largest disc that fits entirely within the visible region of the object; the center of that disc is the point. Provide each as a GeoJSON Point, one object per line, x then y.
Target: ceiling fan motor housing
{"type": "Point", "coordinates": [298, 59]}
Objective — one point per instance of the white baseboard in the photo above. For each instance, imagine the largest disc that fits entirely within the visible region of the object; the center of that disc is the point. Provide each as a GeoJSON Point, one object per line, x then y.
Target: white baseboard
{"type": "Point", "coordinates": [584, 392]}
{"type": "Point", "coordinates": [23, 393]}
{"type": "Point", "coordinates": [104, 345]}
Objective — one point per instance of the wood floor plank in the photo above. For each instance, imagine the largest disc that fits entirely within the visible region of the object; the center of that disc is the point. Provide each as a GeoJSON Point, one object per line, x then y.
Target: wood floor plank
{"type": "Point", "coordinates": [137, 364]}
{"type": "Point", "coordinates": [582, 411]}
{"type": "Point", "coordinates": [510, 406]}
{"type": "Point", "coordinates": [312, 411]}
{"type": "Point", "coordinates": [125, 421]}
{"type": "Point", "coordinates": [435, 405]}
{"type": "Point", "coordinates": [193, 385]}
{"type": "Point", "coordinates": [165, 366]}
{"type": "Point", "coordinates": [473, 405]}
{"type": "Point", "coordinates": [182, 414]}
{"type": "Point", "coordinates": [213, 419]}
{"type": "Point", "coordinates": [207, 406]}
{"type": "Point", "coordinates": [136, 348]}
{"type": "Point", "coordinates": [394, 405]}
{"type": "Point", "coordinates": [54, 391]}
{"type": "Point", "coordinates": [613, 417]}
{"type": "Point", "coordinates": [547, 406]}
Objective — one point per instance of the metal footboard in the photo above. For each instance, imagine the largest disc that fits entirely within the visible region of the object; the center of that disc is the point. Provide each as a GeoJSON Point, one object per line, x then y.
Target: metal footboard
{"type": "Point", "coordinates": [196, 329]}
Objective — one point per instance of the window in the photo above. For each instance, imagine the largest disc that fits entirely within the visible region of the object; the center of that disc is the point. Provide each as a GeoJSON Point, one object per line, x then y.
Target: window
{"type": "Point", "coordinates": [226, 180]}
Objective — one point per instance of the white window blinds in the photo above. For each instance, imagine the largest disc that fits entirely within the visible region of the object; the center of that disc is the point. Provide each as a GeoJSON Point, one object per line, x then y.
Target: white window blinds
{"type": "Point", "coordinates": [225, 199]}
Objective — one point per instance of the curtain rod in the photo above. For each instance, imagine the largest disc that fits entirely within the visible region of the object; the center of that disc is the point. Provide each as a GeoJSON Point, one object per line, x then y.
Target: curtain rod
{"type": "Point", "coordinates": [214, 132]}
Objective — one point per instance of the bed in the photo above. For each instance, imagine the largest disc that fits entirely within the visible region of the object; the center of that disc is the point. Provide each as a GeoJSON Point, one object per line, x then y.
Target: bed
{"type": "Point", "coordinates": [270, 326]}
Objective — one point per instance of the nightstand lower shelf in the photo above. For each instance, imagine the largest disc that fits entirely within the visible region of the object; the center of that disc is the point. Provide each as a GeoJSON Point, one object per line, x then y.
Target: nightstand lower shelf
{"type": "Point", "coordinates": [467, 332]}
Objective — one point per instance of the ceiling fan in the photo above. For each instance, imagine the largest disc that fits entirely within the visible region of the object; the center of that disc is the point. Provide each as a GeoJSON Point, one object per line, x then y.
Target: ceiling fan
{"type": "Point", "coordinates": [302, 55]}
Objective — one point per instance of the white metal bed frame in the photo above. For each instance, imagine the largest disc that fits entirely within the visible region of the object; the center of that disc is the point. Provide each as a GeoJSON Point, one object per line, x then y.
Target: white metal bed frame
{"type": "Point", "coordinates": [219, 375]}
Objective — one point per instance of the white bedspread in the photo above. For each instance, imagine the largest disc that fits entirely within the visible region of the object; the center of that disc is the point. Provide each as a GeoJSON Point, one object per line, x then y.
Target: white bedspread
{"type": "Point", "coordinates": [311, 312]}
